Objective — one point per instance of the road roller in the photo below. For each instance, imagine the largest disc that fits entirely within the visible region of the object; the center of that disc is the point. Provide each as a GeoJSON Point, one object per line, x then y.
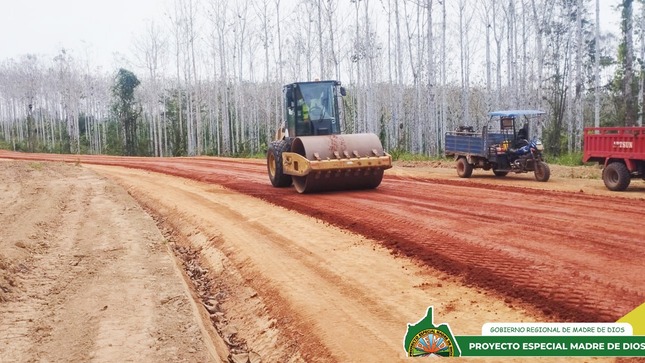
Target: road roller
{"type": "Point", "coordinates": [309, 150]}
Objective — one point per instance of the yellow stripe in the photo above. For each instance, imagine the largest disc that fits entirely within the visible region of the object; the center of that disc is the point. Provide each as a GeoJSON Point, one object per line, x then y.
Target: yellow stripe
{"type": "Point", "coordinates": [637, 319]}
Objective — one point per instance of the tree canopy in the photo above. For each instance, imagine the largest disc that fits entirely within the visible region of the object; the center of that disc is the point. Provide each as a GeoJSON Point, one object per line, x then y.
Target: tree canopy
{"type": "Point", "coordinates": [208, 79]}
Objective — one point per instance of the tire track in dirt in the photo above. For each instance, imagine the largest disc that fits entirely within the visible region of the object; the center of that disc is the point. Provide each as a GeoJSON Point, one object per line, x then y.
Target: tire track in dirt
{"type": "Point", "coordinates": [553, 281]}
{"type": "Point", "coordinates": [95, 281]}
{"type": "Point", "coordinates": [575, 256]}
{"type": "Point", "coordinates": [328, 292]}
{"type": "Point", "coordinates": [541, 221]}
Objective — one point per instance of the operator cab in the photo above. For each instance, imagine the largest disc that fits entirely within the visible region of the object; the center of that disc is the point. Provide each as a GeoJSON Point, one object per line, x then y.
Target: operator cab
{"type": "Point", "coordinates": [311, 108]}
{"type": "Point", "coordinates": [519, 136]}
{"type": "Point", "coordinates": [509, 125]}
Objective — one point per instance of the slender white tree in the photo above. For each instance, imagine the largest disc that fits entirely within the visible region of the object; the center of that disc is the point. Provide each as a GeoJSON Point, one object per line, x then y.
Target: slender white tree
{"type": "Point", "coordinates": [597, 67]}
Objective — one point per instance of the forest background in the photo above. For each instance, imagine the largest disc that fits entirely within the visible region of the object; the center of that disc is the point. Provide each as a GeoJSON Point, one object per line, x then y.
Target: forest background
{"type": "Point", "coordinates": [206, 77]}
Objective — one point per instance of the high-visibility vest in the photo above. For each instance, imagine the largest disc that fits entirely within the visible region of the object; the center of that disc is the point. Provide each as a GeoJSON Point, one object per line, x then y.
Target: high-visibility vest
{"type": "Point", "coordinates": [305, 112]}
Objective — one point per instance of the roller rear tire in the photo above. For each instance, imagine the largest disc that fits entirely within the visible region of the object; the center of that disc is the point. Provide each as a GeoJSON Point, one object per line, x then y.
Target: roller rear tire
{"type": "Point", "coordinates": [274, 164]}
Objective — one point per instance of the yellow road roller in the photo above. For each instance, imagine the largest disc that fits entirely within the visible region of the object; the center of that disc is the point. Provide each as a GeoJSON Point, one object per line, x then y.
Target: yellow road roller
{"type": "Point", "coordinates": [311, 153]}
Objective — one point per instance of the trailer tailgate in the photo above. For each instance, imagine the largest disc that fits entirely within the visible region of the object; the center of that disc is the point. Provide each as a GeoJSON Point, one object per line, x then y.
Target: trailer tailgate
{"type": "Point", "coordinates": [614, 142]}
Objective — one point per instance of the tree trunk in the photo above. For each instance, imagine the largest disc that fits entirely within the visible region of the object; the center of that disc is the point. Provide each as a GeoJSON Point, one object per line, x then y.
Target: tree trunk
{"type": "Point", "coordinates": [642, 86]}
{"type": "Point", "coordinates": [577, 133]}
{"type": "Point", "coordinates": [431, 122]}
{"type": "Point", "coordinates": [630, 109]}
{"type": "Point", "coordinates": [597, 68]}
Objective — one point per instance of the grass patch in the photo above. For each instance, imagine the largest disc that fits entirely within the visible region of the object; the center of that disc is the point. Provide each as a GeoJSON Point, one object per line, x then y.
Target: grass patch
{"type": "Point", "coordinates": [5, 146]}
{"type": "Point", "coordinates": [36, 165]}
{"type": "Point", "coordinates": [569, 159]}
{"type": "Point", "coordinates": [257, 155]}
{"type": "Point", "coordinates": [401, 155]}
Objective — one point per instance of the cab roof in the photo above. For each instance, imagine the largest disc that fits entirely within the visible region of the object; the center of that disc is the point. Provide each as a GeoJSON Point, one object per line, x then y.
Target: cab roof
{"type": "Point", "coordinates": [515, 113]}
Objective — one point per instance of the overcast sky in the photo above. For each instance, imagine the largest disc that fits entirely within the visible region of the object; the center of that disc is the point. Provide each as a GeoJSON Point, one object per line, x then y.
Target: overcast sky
{"type": "Point", "coordinates": [99, 27]}
{"type": "Point", "coordinates": [102, 28]}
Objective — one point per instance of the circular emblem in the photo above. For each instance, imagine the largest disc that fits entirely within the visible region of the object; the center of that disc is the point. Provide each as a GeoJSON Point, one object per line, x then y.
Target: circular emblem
{"type": "Point", "coordinates": [431, 342]}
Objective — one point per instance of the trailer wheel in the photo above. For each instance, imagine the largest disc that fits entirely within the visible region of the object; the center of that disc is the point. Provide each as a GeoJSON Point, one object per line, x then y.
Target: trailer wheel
{"type": "Point", "coordinates": [616, 176]}
{"type": "Point", "coordinates": [500, 173]}
{"type": "Point", "coordinates": [274, 164]}
{"type": "Point", "coordinates": [464, 169]}
{"type": "Point", "coordinates": [542, 171]}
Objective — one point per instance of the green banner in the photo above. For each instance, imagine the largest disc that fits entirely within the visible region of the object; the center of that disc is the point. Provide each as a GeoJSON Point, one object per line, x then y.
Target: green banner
{"type": "Point", "coordinates": [549, 346]}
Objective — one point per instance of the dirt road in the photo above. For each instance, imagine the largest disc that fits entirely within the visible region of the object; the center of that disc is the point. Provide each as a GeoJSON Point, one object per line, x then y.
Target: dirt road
{"type": "Point", "coordinates": [85, 275]}
{"type": "Point", "coordinates": [288, 287]}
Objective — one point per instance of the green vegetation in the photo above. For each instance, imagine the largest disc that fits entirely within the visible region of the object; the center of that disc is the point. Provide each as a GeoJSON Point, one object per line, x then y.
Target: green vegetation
{"type": "Point", "coordinates": [566, 159]}
{"type": "Point", "coordinates": [403, 155]}
{"type": "Point", "coordinates": [257, 155]}
{"type": "Point", "coordinates": [4, 145]}
{"type": "Point", "coordinates": [36, 165]}
{"type": "Point", "coordinates": [125, 108]}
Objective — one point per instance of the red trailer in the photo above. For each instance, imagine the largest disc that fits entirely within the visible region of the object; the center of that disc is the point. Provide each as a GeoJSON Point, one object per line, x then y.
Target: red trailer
{"type": "Point", "coordinates": [621, 152]}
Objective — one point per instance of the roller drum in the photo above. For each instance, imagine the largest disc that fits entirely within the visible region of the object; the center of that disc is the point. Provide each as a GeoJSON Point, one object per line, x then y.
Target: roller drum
{"type": "Point", "coordinates": [339, 147]}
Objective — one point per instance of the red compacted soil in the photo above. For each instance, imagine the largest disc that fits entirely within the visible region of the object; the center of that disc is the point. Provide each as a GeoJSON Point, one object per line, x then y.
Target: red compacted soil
{"type": "Point", "coordinates": [479, 249]}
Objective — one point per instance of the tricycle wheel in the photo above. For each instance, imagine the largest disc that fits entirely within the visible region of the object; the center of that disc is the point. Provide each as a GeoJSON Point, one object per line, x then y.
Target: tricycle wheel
{"type": "Point", "coordinates": [464, 169]}
{"type": "Point", "coordinates": [500, 173]}
{"type": "Point", "coordinates": [616, 176]}
{"type": "Point", "coordinates": [542, 171]}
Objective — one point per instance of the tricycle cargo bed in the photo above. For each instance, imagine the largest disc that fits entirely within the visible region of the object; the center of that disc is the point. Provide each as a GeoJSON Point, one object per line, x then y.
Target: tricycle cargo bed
{"type": "Point", "coordinates": [462, 143]}
{"type": "Point", "coordinates": [604, 143]}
